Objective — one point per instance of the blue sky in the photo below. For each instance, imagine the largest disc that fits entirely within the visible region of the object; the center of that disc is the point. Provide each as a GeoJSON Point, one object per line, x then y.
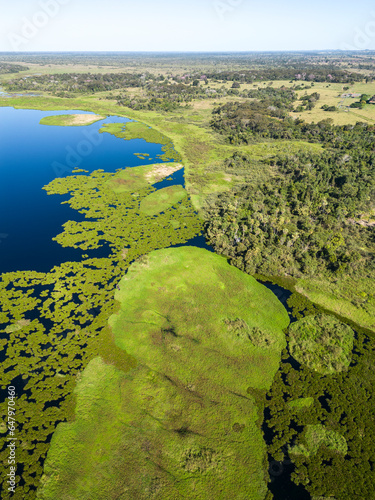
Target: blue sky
{"type": "Point", "coordinates": [189, 25]}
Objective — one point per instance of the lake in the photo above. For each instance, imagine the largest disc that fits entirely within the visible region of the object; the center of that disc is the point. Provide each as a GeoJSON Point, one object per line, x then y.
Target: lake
{"type": "Point", "coordinates": [31, 156]}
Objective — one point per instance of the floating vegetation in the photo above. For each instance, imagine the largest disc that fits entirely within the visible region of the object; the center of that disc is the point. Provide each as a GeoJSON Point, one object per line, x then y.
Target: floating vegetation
{"type": "Point", "coordinates": [55, 323]}
{"type": "Point", "coordinates": [138, 130]}
{"type": "Point", "coordinates": [300, 404]}
{"type": "Point", "coordinates": [142, 156]}
{"type": "Point", "coordinates": [322, 343]}
{"type": "Point", "coordinates": [184, 422]}
{"type": "Point", "coordinates": [316, 436]}
{"type": "Point", "coordinates": [79, 170]}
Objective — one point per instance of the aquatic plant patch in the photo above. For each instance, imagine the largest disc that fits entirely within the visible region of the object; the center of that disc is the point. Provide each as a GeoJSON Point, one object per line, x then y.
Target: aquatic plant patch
{"type": "Point", "coordinates": [322, 343]}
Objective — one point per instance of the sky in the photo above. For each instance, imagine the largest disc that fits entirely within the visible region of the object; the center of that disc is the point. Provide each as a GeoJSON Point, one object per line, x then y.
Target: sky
{"type": "Point", "coordinates": [189, 25]}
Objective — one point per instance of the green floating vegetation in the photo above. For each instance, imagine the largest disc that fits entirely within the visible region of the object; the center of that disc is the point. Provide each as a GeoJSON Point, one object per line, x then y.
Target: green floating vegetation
{"type": "Point", "coordinates": [75, 299]}
{"type": "Point", "coordinates": [138, 130]}
{"type": "Point", "coordinates": [161, 200]}
{"type": "Point", "coordinates": [79, 170]}
{"type": "Point", "coordinates": [183, 423]}
{"type": "Point", "coordinates": [71, 120]}
{"type": "Point", "coordinates": [316, 436]}
{"type": "Point", "coordinates": [113, 214]}
{"type": "Point", "coordinates": [301, 403]}
{"type": "Point", "coordinates": [321, 342]}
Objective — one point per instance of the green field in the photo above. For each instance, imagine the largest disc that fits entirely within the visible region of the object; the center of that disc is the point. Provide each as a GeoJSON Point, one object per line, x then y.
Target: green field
{"type": "Point", "coordinates": [184, 423]}
{"type": "Point", "coordinates": [161, 200]}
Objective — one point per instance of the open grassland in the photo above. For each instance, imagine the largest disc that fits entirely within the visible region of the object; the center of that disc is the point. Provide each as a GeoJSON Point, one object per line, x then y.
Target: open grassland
{"type": "Point", "coordinates": [178, 288]}
{"type": "Point", "coordinates": [184, 423]}
{"type": "Point", "coordinates": [161, 200]}
{"type": "Point", "coordinates": [349, 298]}
{"type": "Point", "coordinates": [330, 94]}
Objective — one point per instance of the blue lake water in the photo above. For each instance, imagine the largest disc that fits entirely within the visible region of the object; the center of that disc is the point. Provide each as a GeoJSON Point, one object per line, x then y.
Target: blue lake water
{"type": "Point", "coordinates": [31, 156]}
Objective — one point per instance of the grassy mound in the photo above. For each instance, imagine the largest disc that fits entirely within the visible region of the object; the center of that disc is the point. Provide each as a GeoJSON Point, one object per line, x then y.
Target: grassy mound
{"type": "Point", "coordinates": [316, 436]}
{"type": "Point", "coordinates": [321, 342]}
{"type": "Point", "coordinates": [140, 436]}
{"type": "Point", "coordinates": [161, 200]}
{"type": "Point", "coordinates": [184, 423]}
{"type": "Point", "coordinates": [134, 178]}
{"type": "Point", "coordinates": [70, 120]}
{"type": "Point", "coordinates": [208, 316]}
{"type": "Point", "coordinates": [301, 403]}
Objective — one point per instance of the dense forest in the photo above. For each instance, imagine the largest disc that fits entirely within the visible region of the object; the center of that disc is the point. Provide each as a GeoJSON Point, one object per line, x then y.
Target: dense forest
{"type": "Point", "coordinates": [297, 72]}
{"type": "Point", "coordinates": [11, 68]}
{"type": "Point", "coordinates": [303, 221]}
{"type": "Point", "coordinates": [268, 118]}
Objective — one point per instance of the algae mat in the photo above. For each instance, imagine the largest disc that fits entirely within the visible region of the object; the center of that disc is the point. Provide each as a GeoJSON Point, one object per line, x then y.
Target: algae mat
{"type": "Point", "coordinates": [183, 423]}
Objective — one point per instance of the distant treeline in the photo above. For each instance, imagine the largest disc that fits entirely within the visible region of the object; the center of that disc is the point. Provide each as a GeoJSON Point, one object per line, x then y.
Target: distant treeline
{"type": "Point", "coordinates": [11, 68]}
{"type": "Point", "coordinates": [268, 118]}
{"type": "Point", "coordinates": [309, 74]}
{"type": "Point", "coordinates": [79, 82]}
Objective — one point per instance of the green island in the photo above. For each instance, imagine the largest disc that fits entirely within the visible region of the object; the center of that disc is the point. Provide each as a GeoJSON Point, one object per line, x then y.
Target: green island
{"type": "Point", "coordinates": [322, 343]}
{"type": "Point", "coordinates": [185, 417]}
{"type": "Point", "coordinates": [70, 120]}
{"type": "Point", "coordinates": [316, 436]}
{"type": "Point", "coordinates": [166, 373]}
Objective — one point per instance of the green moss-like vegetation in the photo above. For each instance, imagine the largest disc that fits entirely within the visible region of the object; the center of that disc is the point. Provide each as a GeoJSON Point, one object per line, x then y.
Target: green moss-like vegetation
{"type": "Point", "coordinates": [111, 205]}
{"type": "Point", "coordinates": [300, 404]}
{"type": "Point", "coordinates": [316, 436]}
{"type": "Point", "coordinates": [183, 424]}
{"type": "Point", "coordinates": [343, 403]}
{"type": "Point", "coordinates": [161, 200]}
{"type": "Point", "coordinates": [70, 120]}
{"type": "Point", "coordinates": [178, 289]}
{"type": "Point", "coordinates": [146, 437]}
{"type": "Point", "coordinates": [322, 343]}
{"type": "Point", "coordinates": [137, 130]}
